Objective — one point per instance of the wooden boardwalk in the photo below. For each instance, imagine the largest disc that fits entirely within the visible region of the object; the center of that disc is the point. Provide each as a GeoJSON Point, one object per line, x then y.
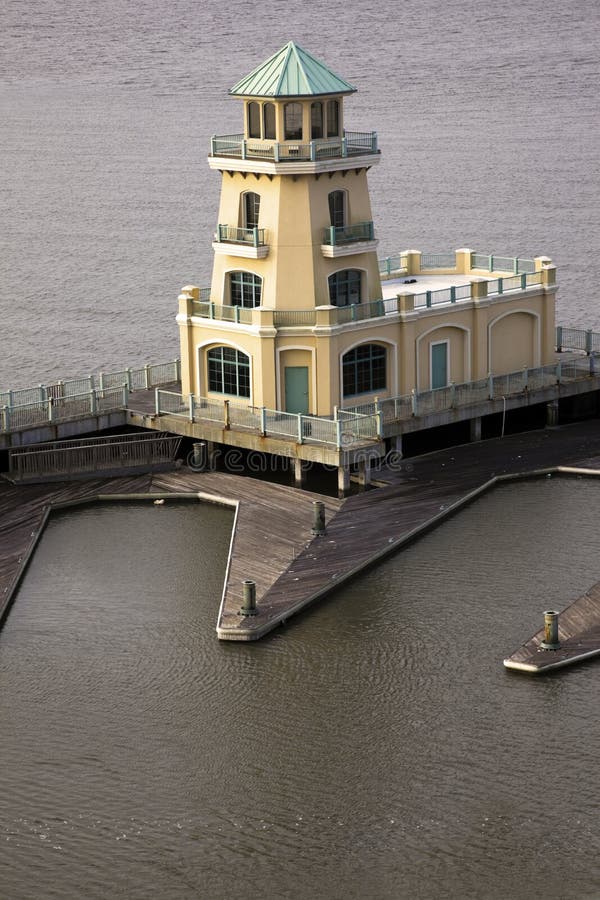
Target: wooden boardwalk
{"type": "Point", "coordinates": [273, 545]}
{"type": "Point", "coordinates": [578, 634]}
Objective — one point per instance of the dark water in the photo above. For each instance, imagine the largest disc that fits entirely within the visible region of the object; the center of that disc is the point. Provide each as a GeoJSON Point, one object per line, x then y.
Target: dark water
{"type": "Point", "coordinates": [488, 117]}
{"type": "Point", "coordinates": [374, 748]}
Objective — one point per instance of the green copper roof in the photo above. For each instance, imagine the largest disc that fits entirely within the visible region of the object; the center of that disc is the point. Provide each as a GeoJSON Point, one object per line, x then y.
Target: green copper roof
{"type": "Point", "coordinates": [291, 72]}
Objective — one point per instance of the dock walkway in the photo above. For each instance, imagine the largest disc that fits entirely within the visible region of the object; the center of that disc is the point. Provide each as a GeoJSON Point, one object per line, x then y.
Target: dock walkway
{"type": "Point", "coordinates": [273, 545]}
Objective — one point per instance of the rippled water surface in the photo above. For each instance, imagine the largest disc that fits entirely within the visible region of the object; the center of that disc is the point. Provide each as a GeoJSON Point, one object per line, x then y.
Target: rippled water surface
{"type": "Point", "coordinates": [488, 119]}
{"type": "Point", "coordinates": [375, 747]}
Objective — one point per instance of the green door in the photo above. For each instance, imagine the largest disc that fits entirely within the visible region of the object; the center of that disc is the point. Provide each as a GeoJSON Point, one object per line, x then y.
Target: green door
{"type": "Point", "coordinates": [439, 365]}
{"type": "Point", "coordinates": [296, 389]}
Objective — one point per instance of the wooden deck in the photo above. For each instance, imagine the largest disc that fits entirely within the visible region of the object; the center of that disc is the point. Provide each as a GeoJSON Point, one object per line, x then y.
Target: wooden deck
{"type": "Point", "coordinates": [578, 633]}
{"type": "Point", "coordinates": [273, 544]}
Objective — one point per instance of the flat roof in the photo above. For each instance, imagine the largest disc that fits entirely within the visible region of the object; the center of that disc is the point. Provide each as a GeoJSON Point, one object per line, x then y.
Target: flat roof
{"type": "Point", "coordinates": [418, 284]}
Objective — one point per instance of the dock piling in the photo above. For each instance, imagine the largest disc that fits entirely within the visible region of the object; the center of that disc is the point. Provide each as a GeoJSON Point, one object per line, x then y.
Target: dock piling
{"type": "Point", "coordinates": [318, 518]}
{"type": "Point", "coordinates": [248, 598]}
{"type": "Point", "coordinates": [550, 641]}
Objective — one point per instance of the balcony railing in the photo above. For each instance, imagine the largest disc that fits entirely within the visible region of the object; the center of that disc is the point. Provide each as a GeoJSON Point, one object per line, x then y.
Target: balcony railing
{"type": "Point", "coordinates": [346, 234]}
{"type": "Point", "coordinates": [353, 143]}
{"type": "Point", "coordinates": [228, 234]}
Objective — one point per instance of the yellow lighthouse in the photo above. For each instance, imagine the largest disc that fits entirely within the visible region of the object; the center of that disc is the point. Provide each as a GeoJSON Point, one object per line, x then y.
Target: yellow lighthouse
{"type": "Point", "coordinates": [295, 236]}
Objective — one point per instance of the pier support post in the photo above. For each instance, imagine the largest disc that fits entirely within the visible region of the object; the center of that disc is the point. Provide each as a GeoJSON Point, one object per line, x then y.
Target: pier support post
{"type": "Point", "coordinates": [212, 455]}
{"type": "Point", "coordinates": [364, 473]}
{"type": "Point", "coordinates": [552, 414]}
{"type": "Point", "coordinates": [299, 473]}
{"type": "Point", "coordinates": [318, 518]}
{"type": "Point", "coordinates": [199, 456]}
{"type": "Point", "coordinates": [396, 444]}
{"type": "Point", "coordinates": [248, 598]}
{"type": "Point", "coordinates": [475, 428]}
{"type": "Point", "coordinates": [550, 641]}
{"type": "Point", "coordinates": [343, 480]}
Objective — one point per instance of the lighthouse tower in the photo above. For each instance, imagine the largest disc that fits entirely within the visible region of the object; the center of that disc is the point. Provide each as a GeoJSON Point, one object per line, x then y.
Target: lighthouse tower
{"type": "Point", "coordinates": [294, 250]}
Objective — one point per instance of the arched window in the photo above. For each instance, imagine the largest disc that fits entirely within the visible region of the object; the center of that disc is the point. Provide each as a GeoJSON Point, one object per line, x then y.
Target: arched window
{"type": "Point", "coordinates": [344, 287]}
{"type": "Point", "coordinates": [292, 120]}
{"type": "Point", "coordinates": [269, 121]}
{"type": "Point", "coordinates": [251, 209]}
{"type": "Point", "coordinates": [333, 118]}
{"type": "Point", "coordinates": [316, 120]}
{"type": "Point", "coordinates": [337, 208]}
{"type": "Point", "coordinates": [253, 120]}
{"type": "Point", "coordinates": [363, 369]}
{"type": "Point", "coordinates": [229, 371]}
{"type": "Point", "coordinates": [245, 289]}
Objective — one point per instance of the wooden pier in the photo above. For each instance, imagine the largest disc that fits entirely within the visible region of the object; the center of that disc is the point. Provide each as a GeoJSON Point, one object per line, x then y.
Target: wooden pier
{"type": "Point", "coordinates": [273, 543]}
{"type": "Point", "coordinates": [578, 635]}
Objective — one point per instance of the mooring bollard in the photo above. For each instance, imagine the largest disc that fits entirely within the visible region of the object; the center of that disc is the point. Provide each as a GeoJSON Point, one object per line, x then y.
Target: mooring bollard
{"type": "Point", "coordinates": [318, 517]}
{"type": "Point", "coordinates": [550, 641]}
{"type": "Point", "coordinates": [249, 598]}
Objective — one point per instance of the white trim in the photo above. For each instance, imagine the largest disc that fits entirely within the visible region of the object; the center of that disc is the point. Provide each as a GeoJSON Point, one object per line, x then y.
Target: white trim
{"type": "Point", "coordinates": [391, 360]}
{"type": "Point", "coordinates": [266, 167]}
{"type": "Point", "coordinates": [466, 352]}
{"type": "Point", "coordinates": [200, 358]}
{"type": "Point", "coordinates": [537, 335]}
{"type": "Point", "coordinates": [279, 375]}
{"type": "Point", "coordinates": [446, 344]}
{"type": "Point", "coordinates": [350, 249]}
{"type": "Point", "coordinates": [245, 251]}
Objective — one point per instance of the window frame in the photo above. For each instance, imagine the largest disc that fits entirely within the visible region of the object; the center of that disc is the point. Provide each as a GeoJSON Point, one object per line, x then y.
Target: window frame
{"type": "Point", "coordinates": [250, 221]}
{"type": "Point", "coordinates": [342, 195]}
{"type": "Point", "coordinates": [297, 133]}
{"type": "Point", "coordinates": [233, 372]}
{"type": "Point", "coordinates": [333, 118]}
{"type": "Point", "coordinates": [364, 373]}
{"type": "Point", "coordinates": [245, 289]}
{"type": "Point", "coordinates": [254, 119]}
{"type": "Point", "coordinates": [342, 283]}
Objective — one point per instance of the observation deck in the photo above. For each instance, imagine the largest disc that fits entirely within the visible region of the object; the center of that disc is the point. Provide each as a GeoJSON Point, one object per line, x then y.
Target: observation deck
{"type": "Point", "coordinates": [234, 152]}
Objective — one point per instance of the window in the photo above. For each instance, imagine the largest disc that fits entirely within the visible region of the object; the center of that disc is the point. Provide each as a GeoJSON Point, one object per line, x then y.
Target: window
{"type": "Point", "coordinates": [253, 120]}
{"type": "Point", "coordinates": [269, 121]}
{"type": "Point", "coordinates": [337, 208]}
{"type": "Point", "coordinates": [251, 203]}
{"type": "Point", "coordinates": [333, 118]}
{"type": "Point", "coordinates": [292, 117]}
{"type": "Point", "coordinates": [229, 372]}
{"type": "Point", "coordinates": [344, 287]}
{"type": "Point", "coordinates": [245, 289]}
{"type": "Point", "coordinates": [363, 369]}
{"type": "Point", "coordinates": [316, 120]}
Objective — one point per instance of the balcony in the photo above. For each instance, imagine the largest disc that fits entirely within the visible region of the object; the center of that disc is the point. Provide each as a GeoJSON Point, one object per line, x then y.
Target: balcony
{"type": "Point", "coordinates": [249, 243]}
{"type": "Point", "coordinates": [248, 154]}
{"type": "Point", "coordinates": [348, 239]}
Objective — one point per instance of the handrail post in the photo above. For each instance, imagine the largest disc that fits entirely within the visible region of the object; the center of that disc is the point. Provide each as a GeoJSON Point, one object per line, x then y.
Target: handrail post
{"type": "Point", "coordinates": [156, 402]}
{"type": "Point", "coordinates": [191, 407]}
{"type": "Point", "coordinates": [300, 435]}
{"type": "Point", "coordinates": [125, 395]}
{"type": "Point", "coordinates": [428, 299]}
{"type": "Point", "coordinates": [244, 146]}
{"type": "Point", "coordinates": [490, 386]}
{"type": "Point", "coordinates": [559, 338]}
{"type": "Point", "coordinates": [344, 147]}
{"type": "Point", "coordinates": [589, 336]}
{"type": "Point", "coordinates": [414, 402]}
{"type": "Point", "coordinates": [452, 294]}
{"type": "Point", "coordinates": [491, 263]}
{"type": "Point", "coordinates": [5, 418]}
{"type": "Point", "coordinates": [128, 377]}
{"type": "Point", "coordinates": [263, 420]}
{"type": "Point", "coordinates": [452, 394]}
{"type": "Point", "coordinates": [516, 265]}
{"type": "Point", "coordinates": [147, 376]}
{"type": "Point", "coordinates": [523, 280]}
{"type": "Point", "coordinates": [338, 433]}
{"type": "Point", "coordinates": [213, 145]}
{"type": "Point", "coordinates": [43, 396]}
{"type": "Point", "coordinates": [379, 423]}
{"type": "Point", "coordinates": [93, 406]}
{"type": "Point", "coordinates": [313, 151]}
{"type": "Point", "coordinates": [101, 381]}
{"type": "Point", "coordinates": [255, 236]}
{"type": "Point", "coordinates": [50, 403]}
{"type": "Point", "coordinates": [500, 285]}
{"type": "Point", "coordinates": [177, 363]}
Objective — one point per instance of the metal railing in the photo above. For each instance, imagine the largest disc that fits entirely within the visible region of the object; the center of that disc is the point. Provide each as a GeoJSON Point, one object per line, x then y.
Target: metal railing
{"type": "Point", "coordinates": [438, 261]}
{"type": "Point", "coordinates": [392, 264]}
{"type": "Point", "coordinates": [229, 234]}
{"type": "Point", "coordinates": [353, 143]}
{"type": "Point", "coordinates": [345, 234]}
{"type": "Point", "coordinates": [91, 455]}
{"type": "Point", "coordinates": [491, 263]}
{"type": "Point", "coordinates": [60, 409]}
{"type": "Point", "coordinates": [221, 312]}
{"type": "Point", "coordinates": [577, 339]}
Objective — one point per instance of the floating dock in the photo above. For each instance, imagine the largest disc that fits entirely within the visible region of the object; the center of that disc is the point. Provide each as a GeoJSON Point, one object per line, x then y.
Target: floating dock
{"type": "Point", "coordinates": [578, 638]}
